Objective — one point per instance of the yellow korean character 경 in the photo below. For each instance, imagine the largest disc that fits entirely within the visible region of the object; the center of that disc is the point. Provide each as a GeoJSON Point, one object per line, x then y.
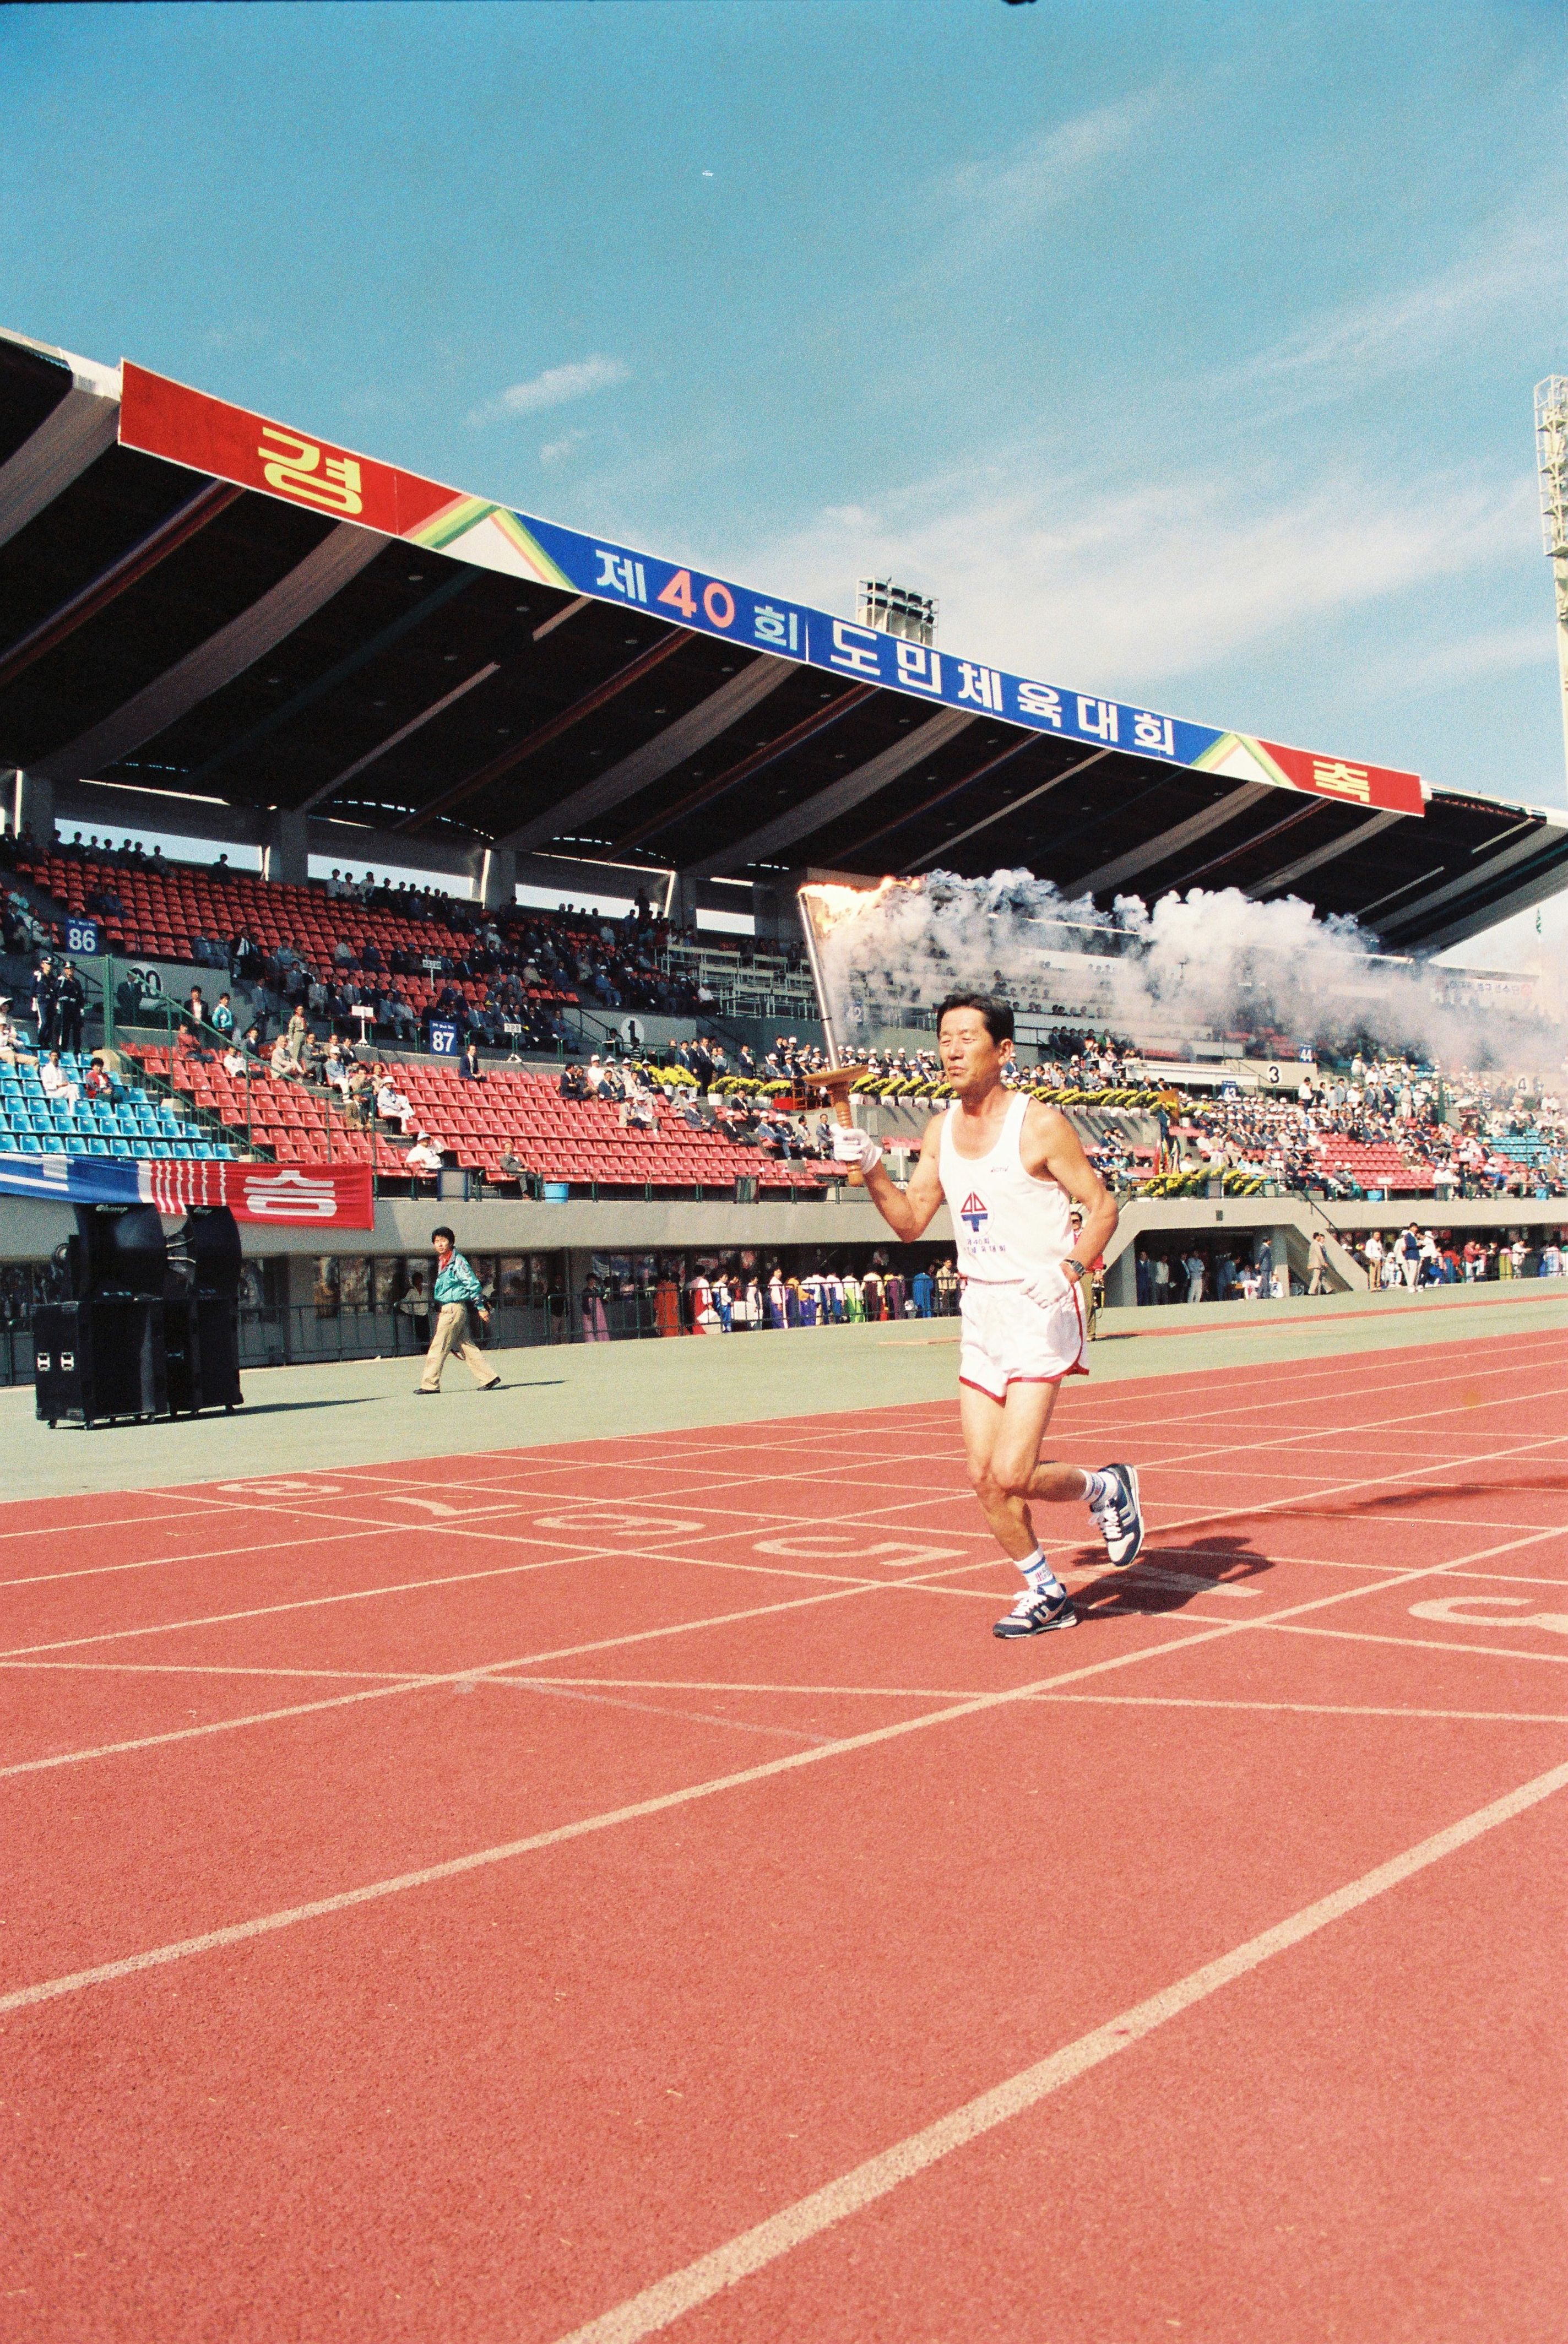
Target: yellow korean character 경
{"type": "Point", "coordinates": [294, 466]}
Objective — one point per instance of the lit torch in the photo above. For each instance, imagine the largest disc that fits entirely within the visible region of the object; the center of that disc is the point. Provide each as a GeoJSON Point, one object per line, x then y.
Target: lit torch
{"type": "Point", "coordinates": [823, 908]}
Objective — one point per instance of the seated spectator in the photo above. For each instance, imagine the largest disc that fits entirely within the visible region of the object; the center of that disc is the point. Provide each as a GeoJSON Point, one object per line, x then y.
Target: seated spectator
{"type": "Point", "coordinates": [574, 1083]}
{"type": "Point", "coordinates": [336, 1067]}
{"type": "Point", "coordinates": [58, 1083]}
{"type": "Point", "coordinates": [594, 1074]}
{"type": "Point", "coordinates": [360, 1095]}
{"type": "Point", "coordinates": [510, 1167]}
{"type": "Point", "coordinates": [14, 1050]}
{"type": "Point", "coordinates": [637, 1114]}
{"type": "Point", "coordinates": [469, 1065]}
{"type": "Point", "coordinates": [284, 1067]}
{"type": "Point", "coordinates": [423, 1158]}
{"type": "Point", "coordinates": [99, 1083]}
{"type": "Point", "coordinates": [393, 1107]}
{"type": "Point", "coordinates": [236, 1062]}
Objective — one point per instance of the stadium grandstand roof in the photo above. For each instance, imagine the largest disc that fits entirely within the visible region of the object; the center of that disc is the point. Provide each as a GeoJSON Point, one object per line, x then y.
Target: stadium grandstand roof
{"type": "Point", "coordinates": [199, 604]}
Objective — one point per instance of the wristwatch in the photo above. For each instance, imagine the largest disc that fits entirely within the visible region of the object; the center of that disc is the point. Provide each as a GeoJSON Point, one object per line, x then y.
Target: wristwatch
{"type": "Point", "coordinates": [1074, 1267]}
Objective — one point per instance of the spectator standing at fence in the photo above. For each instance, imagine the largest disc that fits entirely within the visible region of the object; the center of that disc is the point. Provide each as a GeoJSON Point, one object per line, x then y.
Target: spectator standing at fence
{"type": "Point", "coordinates": [1193, 1266]}
{"type": "Point", "coordinates": [70, 1004]}
{"type": "Point", "coordinates": [595, 1325]}
{"type": "Point", "coordinates": [45, 990]}
{"type": "Point", "coordinates": [1159, 1277]}
{"type": "Point", "coordinates": [922, 1292]}
{"type": "Point", "coordinates": [457, 1293]}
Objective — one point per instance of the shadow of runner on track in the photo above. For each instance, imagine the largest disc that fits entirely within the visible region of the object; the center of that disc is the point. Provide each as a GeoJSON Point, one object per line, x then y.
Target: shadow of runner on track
{"type": "Point", "coordinates": [1166, 1577]}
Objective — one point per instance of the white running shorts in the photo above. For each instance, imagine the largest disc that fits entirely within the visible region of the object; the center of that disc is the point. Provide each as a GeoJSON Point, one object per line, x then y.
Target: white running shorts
{"type": "Point", "coordinates": [1009, 1339]}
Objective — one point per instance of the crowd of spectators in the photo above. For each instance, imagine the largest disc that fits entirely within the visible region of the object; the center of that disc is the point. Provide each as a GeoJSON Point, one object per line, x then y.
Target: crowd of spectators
{"type": "Point", "coordinates": [1459, 1134]}
{"type": "Point", "coordinates": [1245, 1269]}
{"type": "Point", "coordinates": [477, 968]}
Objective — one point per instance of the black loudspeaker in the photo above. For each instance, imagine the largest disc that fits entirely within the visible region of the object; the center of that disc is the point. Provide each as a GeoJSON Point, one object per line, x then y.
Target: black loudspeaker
{"type": "Point", "coordinates": [182, 1355]}
{"type": "Point", "coordinates": [202, 1322]}
{"type": "Point", "coordinates": [118, 1250]}
{"type": "Point", "coordinates": [98, 1360]}
{"type": "Point", "coordinates": [211, 1239]}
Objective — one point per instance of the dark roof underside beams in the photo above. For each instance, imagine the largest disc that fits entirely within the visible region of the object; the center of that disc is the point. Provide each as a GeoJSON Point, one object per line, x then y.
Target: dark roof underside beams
{"type": "Point", "coordinates": [469, 706]}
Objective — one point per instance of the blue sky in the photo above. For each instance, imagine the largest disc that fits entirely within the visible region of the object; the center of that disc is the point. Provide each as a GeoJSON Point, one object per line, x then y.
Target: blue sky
{"type": "Point", "coordinates": [1186, 353]}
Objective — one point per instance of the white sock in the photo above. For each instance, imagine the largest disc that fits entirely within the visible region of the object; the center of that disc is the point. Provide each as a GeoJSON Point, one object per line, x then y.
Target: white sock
{"type": "Point", "coordinates": [1040, 1575]}
{"type": "Point", "coordinates": [1099, 1489]}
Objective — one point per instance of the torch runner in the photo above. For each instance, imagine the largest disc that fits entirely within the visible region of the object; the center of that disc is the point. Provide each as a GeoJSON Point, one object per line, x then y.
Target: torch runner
{"type": "Point", "coordinates": [1010, 1169]}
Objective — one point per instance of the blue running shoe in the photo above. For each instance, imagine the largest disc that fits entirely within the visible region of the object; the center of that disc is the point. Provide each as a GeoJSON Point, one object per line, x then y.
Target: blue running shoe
{"type": "Point", "coordinates": [1120, 1520]}
{"type": "Point", "coordinates": [1033, 1613]}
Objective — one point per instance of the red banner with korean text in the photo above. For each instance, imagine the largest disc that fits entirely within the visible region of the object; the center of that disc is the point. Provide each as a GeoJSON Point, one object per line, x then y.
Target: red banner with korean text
{"type": "Point", "coordinates": [282, 1196]}
{"type": "Point", "coordinates": [1352, 783]}
{"type": "Point", "coordinates": [208, 435]}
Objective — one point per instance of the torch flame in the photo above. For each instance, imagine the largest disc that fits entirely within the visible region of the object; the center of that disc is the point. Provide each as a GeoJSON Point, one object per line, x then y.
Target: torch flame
{"type": "Point", "coordinates": [828, 906]}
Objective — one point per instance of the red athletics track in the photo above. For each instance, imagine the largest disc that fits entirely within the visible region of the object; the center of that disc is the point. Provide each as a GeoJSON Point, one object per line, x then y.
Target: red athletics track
{"type": "Point", "coordinates": [626, 1890]}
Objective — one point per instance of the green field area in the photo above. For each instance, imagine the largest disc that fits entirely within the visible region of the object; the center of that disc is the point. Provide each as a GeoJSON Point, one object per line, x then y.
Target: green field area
{"type": "Point", "coordinates": [365, 1412]}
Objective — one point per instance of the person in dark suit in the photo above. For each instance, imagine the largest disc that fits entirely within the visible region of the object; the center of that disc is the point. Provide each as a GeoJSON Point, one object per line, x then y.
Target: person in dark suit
{"type": "Point", "coordinates": [70, 1003]}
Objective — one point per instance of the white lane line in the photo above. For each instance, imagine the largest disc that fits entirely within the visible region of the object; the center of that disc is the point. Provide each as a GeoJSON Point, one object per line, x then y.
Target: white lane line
{"type": "Point", "coordinates": [711, 1684]}
{"type": "Point", "coordinates": [199, 1732]}
{"type": "Point", "coordinates": [1427, 1643]}
{"type": "Point", "coordinates": [413, 1681]}
{"type": "Point", "coordinates": [560, 1692]}
{"type": "Point", "coordinates": [1312, 1708]}
{"type": "Point", "coordinates": [215, 1669]}
{"type": "Point", "coordinates": [836, 1579]}
{"type": "Point", "coordinates": [481, 1859]}
{"type": "Point", "coordinates": [710, 2274]}
{"type": "Point", "coordinates": [476, 1674]}
{"type": "Point", "coordinates": [170, 1561]}
{"type": "Point", "coordinates": [114, 1522]}
{"type": "Point", "coordinates": [1208, 1518]}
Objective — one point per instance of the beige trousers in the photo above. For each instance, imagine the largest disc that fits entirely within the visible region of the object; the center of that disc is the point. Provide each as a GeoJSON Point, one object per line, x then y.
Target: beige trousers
{"type": "Point", "coordinates": [452, 1335]}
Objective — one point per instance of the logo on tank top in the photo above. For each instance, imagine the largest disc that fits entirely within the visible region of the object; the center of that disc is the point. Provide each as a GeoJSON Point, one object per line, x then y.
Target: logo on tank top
{"type": "Point", "coordinates": [975, 1212]}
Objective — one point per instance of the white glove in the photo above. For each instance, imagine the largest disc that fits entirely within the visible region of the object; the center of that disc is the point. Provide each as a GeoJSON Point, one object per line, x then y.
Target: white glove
{"type": "Point", "coordinates": [853, 1146]}
{"type": "Point", "coordinates": [1047, 1287]}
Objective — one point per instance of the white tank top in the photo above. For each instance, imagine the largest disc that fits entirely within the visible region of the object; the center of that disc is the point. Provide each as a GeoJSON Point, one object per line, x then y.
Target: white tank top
{"type": "Point", "coordinates": [1004, 1219]}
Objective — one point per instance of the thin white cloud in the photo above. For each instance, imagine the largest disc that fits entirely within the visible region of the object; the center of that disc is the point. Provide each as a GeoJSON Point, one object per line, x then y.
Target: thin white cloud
{"type": "Point", "coordinates": [555, 451]}
{"type": "Point", "coordinates": [1122, 591]}
{"type": "Point", "coordinates": [1518, 263]}
{"type": "Point", "coordinates": [553, 387]}
{"type": "Point", "coordinates": [1500, 650]}
{"type": "Point", "coordinates": [1001, 193]}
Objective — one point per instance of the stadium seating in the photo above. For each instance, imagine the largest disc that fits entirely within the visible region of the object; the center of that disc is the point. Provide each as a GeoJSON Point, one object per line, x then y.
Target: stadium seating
{"type": "Point", "coordinates": [1378, 1166]}
{"type": "Point", "coordinates": [167, 907]}
{"type": "Point", "coordinates": [581, 1141]}
{"type": "Point", "coordinates": [133, 1127]}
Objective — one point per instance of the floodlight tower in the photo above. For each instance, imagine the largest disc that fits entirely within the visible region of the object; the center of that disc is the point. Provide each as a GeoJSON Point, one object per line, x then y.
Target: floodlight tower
{"type": "Point", "coordinates": [1552, 455]}
{"type": "Point", "coordinates": [897, 610]}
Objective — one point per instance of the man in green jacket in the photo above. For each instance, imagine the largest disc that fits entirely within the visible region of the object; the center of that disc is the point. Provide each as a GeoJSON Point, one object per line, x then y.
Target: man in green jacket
{"type": "Point", "coordinates": [457, 1292]}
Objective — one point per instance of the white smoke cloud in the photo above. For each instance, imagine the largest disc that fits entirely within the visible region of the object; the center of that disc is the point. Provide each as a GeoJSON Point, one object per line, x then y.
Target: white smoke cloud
{"type": "Point", "coordinates": [1203, 964]}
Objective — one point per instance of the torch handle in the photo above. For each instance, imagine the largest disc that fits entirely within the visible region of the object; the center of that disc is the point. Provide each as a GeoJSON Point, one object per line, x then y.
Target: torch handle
{"type": "Point", "coordinates": [836, 1082]}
